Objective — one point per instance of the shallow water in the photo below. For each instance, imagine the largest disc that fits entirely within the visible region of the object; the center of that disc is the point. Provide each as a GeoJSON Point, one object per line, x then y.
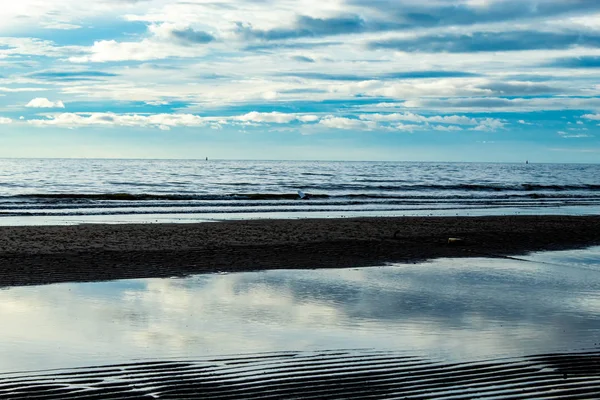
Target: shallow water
{"type": "Point", "coordinates": [452, 310]}
{"type": "Point", "coordinates": [217, 217]}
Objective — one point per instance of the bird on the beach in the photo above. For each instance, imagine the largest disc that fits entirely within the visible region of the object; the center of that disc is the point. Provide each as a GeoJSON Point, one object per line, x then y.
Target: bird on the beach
{"type": "Point", "coordinates": [303, 196]}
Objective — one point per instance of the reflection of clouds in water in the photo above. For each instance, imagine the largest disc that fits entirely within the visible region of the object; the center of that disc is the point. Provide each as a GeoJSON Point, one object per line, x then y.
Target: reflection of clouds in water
{"type": "Point", "coordinates": [587, 259]}
{"type": "Point", "coordinates": [447, 290]}
{"type": "Point", "coordinates": [253, 301]}
{"type": "Point", "coordinates": [223, 315]}
{"type": "Point", "coordinates": [456, 309]}
{"type": "Point", "coordinates": [588, 304]}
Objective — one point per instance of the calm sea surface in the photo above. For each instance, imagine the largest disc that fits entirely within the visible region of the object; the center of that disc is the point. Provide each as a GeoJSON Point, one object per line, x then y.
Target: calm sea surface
{"type": "Point", "coordinates": [73, 190]}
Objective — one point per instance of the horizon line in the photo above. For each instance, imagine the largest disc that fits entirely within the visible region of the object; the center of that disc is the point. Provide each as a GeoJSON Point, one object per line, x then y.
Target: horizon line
{"type": "Point", "coordinates": [288, 160]}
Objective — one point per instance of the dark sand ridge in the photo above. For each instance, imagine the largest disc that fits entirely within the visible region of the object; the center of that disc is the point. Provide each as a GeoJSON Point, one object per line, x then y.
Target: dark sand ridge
{"type": "Point", "coordinates": [47, 254]}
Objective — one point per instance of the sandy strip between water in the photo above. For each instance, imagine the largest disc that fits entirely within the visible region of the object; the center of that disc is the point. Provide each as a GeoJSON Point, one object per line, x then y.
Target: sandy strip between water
{"type": "Point", "coordinates": [47, 254]}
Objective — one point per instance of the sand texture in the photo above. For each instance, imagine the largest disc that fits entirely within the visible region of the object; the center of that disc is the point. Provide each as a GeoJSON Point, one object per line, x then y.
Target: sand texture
{"type": "Point", "coordinates": [326, 375]}
{"type": "Point", "coordinates": [47, 254]}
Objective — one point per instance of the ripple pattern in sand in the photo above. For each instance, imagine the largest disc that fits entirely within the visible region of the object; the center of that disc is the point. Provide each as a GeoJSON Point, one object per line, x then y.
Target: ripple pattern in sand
{"type": "Point", "coordinates": [319, 375]}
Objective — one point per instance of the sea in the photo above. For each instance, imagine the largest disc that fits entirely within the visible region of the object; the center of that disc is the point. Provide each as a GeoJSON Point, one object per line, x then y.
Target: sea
{"type": "Point", "coordinates": [69, 191]}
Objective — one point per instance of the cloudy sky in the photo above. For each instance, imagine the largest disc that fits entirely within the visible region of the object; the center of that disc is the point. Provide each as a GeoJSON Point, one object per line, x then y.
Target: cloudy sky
{"type": "Point", "coordinates": [448, 80]}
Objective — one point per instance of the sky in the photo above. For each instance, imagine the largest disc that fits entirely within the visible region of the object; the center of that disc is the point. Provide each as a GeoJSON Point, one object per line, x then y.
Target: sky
{"type": "Point", "coordinates": [399, 80]}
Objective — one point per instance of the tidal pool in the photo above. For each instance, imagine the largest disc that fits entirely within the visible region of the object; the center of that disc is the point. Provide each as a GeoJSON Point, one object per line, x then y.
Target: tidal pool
{"type": "Point", "coordinates": [453, 310]}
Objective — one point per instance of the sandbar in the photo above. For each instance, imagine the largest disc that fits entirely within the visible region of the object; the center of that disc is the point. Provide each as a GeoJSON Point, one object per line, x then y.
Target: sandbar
{"type": "Point", "coordinates": [31, 255]}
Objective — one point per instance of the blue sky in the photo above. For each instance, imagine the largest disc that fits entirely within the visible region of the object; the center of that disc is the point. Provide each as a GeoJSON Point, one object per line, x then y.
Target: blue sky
{"type": "Point", "coordinates": [443, 80]}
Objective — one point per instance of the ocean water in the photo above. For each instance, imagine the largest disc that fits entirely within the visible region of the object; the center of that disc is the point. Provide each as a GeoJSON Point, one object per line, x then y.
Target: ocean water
{"type": "Point", "coordinates": [105, 190]}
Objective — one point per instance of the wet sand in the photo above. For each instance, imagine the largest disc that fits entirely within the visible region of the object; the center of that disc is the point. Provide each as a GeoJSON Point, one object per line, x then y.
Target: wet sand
{"type": "Point", "coordinates": [325, 375]}
{"type": "Point", "coordinates": [47, 254]}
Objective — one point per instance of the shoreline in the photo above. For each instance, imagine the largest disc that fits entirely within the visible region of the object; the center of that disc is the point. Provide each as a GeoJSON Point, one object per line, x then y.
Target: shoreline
{"type": "Point", "coordinates": [31, 255]}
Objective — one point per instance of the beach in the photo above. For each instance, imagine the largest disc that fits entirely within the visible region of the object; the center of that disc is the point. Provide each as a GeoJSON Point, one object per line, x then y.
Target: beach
{"type": "Point", "coordinates": [32, 255]}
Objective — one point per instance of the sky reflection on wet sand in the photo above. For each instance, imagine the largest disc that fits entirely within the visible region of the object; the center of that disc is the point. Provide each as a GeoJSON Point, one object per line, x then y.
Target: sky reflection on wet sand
{"type": "Point", "coordinates": [448, 309]}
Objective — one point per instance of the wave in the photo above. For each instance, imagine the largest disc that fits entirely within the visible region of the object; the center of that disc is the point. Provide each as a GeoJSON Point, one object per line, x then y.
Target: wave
{"type": "Point", "coordinates": [316, 174]}
{"type": "Point", "coordinates": [171, 197]}
{"type": "Point", "coordinates": [319, 191]}
{"type": "Point", "coordinates": [454, 187]}
{"type": "Point", "coordinates": [279, 197]}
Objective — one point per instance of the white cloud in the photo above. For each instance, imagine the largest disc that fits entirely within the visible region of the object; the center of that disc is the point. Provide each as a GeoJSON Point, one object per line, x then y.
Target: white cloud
{"type": "Point", "coordinates": [164, 41]}
{"type": "Point", "coordinates": [445, 122]}
{"type": "Point", "coordinates": [66, 14]}
{"type": "Point", "coordinates": [347, 123]}
{"type": "Point", "coordinates": [435, 87]}
{"type": "Point", "coordinates": [453, 119]}
{"type": "Point", "coordinates": [489, 124]}
{"type": "Point", "coordinates": [574, 135]}
{"type": "Point", "coordinates": [412, 117]}
{"type": "Point", "coordinates": [111, 50]}
{"type": "Point", "coordinates": [161, 121]}
{"type": "Point", "coordinates": [4, 120]}
{"type": "Point", "coordinates": [270, 95]}
{"type": "Point", "coordinates": [308, 118]}
{"type": "Point", "coordinates": [408, 127]}
{"type": "Point", "coordinates": [61, 25]}
{"type": "Point", "coordinates": [20, 46]}
{"type": "Point", "coordinates": [498, 104]}
{"type": "Point", "coordinates": [275, 117]}
{"type": "Point", "coordinates": [593, 117]}
{"type": "Point", "coordinates": [413, 88]}
{"type": "Point", "coordinates": [447, 128]}
{"type": "Point", "coordinates": [255, 118]}
{"type": "Point", "coordinates": [166, 121]}
{"type": "Point", "coordinates": [22, 90]}
{"type": "Point", "coordinates": [42, 102]}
